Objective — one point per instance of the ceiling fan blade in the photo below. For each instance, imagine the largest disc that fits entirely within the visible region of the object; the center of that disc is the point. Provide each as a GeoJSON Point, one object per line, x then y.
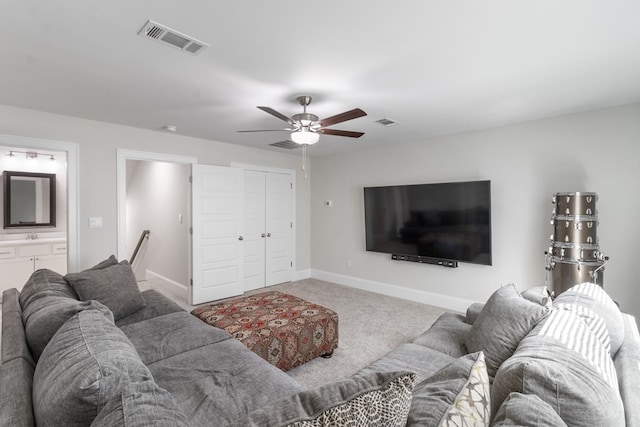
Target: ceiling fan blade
{"type": "Point", "coordinates": [265, 130]}
{"type": "Point", "coordinates": [342, 117]}
{"type": "Point", "coordinates": [277, 114]}
{"type": "Point", "coordinates": [338, 132]}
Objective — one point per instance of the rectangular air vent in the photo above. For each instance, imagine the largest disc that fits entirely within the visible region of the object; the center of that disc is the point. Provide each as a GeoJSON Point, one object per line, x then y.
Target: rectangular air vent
{"type": "Point", "coordinates": [289, 145]}
{"type": "Point", "coordinates": [386, 122]}
{"type": "Point", "coordinates": [173, 38]}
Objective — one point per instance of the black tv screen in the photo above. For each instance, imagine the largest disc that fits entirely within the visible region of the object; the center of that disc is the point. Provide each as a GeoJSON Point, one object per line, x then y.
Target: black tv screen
{"type": "Point", "coordinates": [449, 221]}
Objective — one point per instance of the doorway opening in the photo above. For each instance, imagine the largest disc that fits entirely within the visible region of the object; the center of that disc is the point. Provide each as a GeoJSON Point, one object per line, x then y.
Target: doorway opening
{"type": "Point", "coordinates": [154, 195]}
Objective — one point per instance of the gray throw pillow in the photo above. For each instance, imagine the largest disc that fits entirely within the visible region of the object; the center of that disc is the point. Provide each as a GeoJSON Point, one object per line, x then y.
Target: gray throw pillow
{"type": "Point", "coordinates": [44, 316]}
{"type": "Point", "coordinates": [504, 321]}
{"type": "Point", "coordinates": [458, 394]}
{"type": "Point", "coordinates": [86, 364]}
{"type": "Point", "coordinates": [112, 260]}
{"type": "Point", "coordinates": [44, 283]}
{"type": "Point", "coordinates": [526, 410]}
{"type": "Point", "coordinates": [114, 286]}
{"type": "Point", "coordinates": [377, 399]}
{"type": "Point", "coordinates": [591, 301]}
{"type": "Point", "coordinates": [564, 364]}
{"type": "Point", "coordinates": [141, 405]}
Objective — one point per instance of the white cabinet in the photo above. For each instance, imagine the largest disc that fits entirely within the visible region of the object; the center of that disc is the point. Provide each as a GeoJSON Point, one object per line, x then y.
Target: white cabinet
{"type": "Point", "coordinates": [19, 260]}
{"type": "Point", "coordinates": [268, 228]}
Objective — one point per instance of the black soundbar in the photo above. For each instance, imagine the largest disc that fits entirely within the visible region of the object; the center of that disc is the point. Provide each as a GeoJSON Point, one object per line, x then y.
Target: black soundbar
{"type": "Point", "coordinates": [425, 260]}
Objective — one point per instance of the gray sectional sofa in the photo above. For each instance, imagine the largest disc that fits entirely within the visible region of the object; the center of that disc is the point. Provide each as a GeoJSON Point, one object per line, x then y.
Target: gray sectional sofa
{"type": "Point", "coordinates": [90, 349]}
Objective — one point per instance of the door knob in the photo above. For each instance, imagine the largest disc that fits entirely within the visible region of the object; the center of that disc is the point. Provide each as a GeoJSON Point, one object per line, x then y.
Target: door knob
{"type": "Point", "coordinates": [241, 238]}
{"type": "Point", "coordinates": [263, 235]}
{"type": "Point", "coordinates": [268, 234]}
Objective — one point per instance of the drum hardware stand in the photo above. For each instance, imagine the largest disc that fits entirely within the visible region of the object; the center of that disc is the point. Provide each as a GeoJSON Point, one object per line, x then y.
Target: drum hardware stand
{"type": "Point", "coordinates": [574, 255]}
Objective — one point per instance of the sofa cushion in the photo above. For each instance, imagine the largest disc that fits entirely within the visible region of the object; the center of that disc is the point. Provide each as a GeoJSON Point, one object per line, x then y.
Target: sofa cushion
{"type": "Point", "coordinates": [156, 305]}
{"type": "Point", "coordinates": [114, 286]}
{"type": "Point", "coordinates": [565, 365]}
{"type": "Point", "coordinates": [141, 405]}
{"type": "Point", "coordinates": [505, 319]}
{"type": "Point", "coordinates": [171, 334]}
{"type": "Point", "coordinates": [424, 361]}
{"type": "Point", "coordinates": [380, 399]}
{"type": "Point", "coordinates": [44, 316]}
{"type": "Point", "coordinates": [594, 300]}
{"type": "Point", "coordinates": [112, 260]}
{"type": "Point", "coordinates": [446, 335]}
{"type": "Point", "coordinates": [86, 364]}
{"type": "Point", "coordinates": [219, 383]}
{"type": "Point", "coordinates": [43, 283]}
{"type": "Point", "coordinates": [458, 394]}
{"type": "Point", "coordinates": [526, 410]}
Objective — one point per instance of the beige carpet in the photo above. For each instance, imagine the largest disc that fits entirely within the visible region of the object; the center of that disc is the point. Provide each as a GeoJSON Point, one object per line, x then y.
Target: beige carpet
{"type": "Point", "coordinates": [370, 325]}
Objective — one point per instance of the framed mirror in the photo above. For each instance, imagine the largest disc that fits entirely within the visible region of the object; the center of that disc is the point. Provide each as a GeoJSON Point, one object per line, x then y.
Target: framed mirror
{"type": "Point", "coordinates": [29, 199]}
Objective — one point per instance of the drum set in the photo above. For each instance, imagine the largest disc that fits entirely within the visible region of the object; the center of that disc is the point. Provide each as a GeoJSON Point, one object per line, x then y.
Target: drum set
{"type": "Point", "coordinates": [574, 256]}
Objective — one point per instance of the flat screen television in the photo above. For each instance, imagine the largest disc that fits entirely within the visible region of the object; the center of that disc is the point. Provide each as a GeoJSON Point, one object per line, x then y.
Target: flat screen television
{"type": "Point", "coordinates": [450, 221]}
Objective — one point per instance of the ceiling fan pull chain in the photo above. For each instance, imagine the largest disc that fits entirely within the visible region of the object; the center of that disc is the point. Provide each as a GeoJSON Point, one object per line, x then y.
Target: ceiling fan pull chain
{"type": "Point", "coordinates": [304, 160]}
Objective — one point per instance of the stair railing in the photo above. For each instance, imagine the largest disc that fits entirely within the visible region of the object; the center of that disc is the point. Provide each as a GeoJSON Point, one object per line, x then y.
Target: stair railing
{"type": "Point", "coordinates": [144, 235]}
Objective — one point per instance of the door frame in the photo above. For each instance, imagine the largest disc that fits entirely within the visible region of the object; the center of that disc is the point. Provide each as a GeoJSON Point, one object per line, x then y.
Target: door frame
{"type": "Point", "coordinates": [121, 183]}
{"type": "Point", "coordinates": [73, 186]}
{"type": "Point", "coordinates": [292, 172]}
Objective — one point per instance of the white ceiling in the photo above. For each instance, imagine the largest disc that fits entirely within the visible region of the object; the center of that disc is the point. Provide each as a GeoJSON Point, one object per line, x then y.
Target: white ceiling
{"type": "Point", "coordinates": [436, 67]}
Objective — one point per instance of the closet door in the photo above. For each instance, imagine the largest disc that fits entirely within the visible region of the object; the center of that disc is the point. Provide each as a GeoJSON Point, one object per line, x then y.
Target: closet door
{"type": "Point", "coordinates": [268, 228]}
{"type": "Point", "coordinates": [254, 229]}
{"type": "Point", "coordinates": [279, 226]}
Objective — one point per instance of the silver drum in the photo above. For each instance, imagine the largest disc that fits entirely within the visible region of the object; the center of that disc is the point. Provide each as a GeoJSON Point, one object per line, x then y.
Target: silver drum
{"type": "Point", "coordinates": [572, 204]}
{"type": "Point", "coordinates": [578, 252]}
{"type": "Point", "coordinates": [575, 229]}
{"type": "Point", "coordinates": [564, 274]}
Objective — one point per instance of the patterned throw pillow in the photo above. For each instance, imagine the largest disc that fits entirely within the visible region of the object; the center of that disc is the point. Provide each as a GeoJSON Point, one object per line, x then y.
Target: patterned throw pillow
{"type": "Point", "coordinates": [457, 395]}
{"type": "Point", "coordinates": [377, 399]}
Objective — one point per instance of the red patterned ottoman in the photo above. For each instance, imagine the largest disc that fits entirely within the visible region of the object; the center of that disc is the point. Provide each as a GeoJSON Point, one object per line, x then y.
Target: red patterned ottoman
{"type": "Point", "coordinates": [285, 330]}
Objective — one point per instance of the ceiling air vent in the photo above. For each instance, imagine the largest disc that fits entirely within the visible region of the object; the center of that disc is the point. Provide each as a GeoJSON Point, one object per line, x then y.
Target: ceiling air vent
{"type": "Point", "coordinates": [386, 122]}
{"type": "Point", "coordinates": [289, 145]}
{"type": "Point", "coordinates": [166, 35]}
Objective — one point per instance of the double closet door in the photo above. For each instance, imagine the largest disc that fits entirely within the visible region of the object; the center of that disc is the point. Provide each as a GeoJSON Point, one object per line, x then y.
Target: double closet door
{"type": "Point", "coordinates": [267, 228]}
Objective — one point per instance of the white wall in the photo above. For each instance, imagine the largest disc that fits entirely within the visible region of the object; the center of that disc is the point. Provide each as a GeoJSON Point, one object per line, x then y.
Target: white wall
{"type": "Point", "coordinates": [527, 163]}
{"type": "Point", "coordinates": [98, 143]}
{"type": "Point", "coordinates": [157, 194]}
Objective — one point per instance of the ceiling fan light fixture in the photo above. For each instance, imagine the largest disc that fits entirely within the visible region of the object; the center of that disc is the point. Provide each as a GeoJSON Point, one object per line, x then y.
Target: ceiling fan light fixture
{"type": "Point", "coordinates": [304, 137]}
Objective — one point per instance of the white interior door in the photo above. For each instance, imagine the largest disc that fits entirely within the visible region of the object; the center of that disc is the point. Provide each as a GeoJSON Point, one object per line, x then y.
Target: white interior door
{"type": "Point", "coordinates": [279, 228]}
{"type": "Point", "coordinates": [254, 229]}
{"type": "Point", "coordinates": [217, 220]}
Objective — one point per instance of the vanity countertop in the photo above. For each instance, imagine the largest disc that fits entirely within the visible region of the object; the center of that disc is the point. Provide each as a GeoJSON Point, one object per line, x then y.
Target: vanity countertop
{"type": "Point", "coordinates": [38, 241]}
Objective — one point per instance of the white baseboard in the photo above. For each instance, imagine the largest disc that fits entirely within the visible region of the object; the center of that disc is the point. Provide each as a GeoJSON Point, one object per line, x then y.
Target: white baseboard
{"type": "Point", "coordinates": [302, 274]}
{"type": "Point", "coordinates": [439, 300]}
{"type": "Point", "coordinates": [166, 279]}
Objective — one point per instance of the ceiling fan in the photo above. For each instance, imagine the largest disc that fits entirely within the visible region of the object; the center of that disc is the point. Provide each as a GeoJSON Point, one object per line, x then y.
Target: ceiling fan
{"type": "Point", "coordinates": [306, 128]}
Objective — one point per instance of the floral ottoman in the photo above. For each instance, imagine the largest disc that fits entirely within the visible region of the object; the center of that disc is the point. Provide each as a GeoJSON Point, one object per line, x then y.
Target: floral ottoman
{"type": "Point", "coordinates": [285, 330]}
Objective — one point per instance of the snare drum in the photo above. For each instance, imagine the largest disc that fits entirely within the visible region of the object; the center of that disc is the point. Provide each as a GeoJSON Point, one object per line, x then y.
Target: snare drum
{"type": "Point", "coordinates": [578, 252]}
{"type": "Point", "coordinates": [575, 229]}
{"type": "Point", "coordinates": [583, 204]}
{"type": "Point", "coordinates": [563, 274]}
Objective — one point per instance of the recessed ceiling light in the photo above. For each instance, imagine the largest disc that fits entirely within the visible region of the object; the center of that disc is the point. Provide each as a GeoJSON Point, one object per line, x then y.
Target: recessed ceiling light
{"type": "Point", "coordinates": [170, 128]}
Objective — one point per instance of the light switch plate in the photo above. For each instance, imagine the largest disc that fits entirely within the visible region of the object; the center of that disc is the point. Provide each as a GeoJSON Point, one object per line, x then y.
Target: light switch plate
{"type": "Point", "coordinates": [95, 222]}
